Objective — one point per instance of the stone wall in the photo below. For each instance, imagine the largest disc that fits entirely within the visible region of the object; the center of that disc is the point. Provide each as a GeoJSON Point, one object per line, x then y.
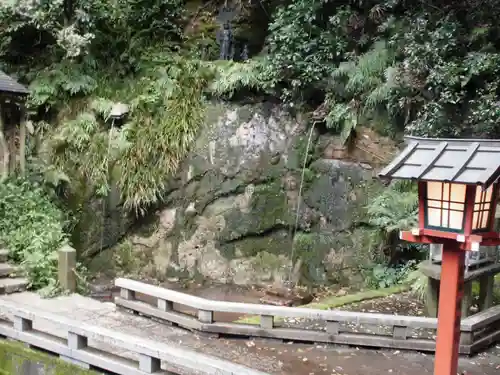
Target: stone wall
{"type": "Point", "coordinates": [231, 214]}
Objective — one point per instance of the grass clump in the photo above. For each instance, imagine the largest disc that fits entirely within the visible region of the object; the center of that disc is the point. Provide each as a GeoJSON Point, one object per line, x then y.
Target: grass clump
{"type": "Point", "coordinates": [166, 102]}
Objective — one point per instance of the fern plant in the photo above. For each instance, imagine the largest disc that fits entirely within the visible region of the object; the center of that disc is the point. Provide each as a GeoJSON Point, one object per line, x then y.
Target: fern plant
{"type": "Point", "coordinates": [359, 88]}
{"type": "Point", "coordinates": [231, 77]}
{"type": "Point", "coordinates": [394, 210]}
{"type": "Point", "coordinates": [57, 84]}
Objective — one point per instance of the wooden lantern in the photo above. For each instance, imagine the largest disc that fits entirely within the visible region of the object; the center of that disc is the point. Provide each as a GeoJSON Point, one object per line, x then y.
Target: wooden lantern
{"type": "Point", "coordinates": [12, 98]}
{"type": "Point", "coordinates": [458, 193]}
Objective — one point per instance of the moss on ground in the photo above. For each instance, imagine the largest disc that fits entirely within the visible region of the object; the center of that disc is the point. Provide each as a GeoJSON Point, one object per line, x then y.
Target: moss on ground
{"type": "Point", "coordinates": [337, 301]}
{"type": "Point", "coordinates": [16, 358]}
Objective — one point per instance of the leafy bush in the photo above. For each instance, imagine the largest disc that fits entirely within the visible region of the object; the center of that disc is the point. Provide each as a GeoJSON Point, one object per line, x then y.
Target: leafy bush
{"type": "Point", "coordinates": [381, 276]}
{"type": "Point", "coordinates": [166, 111]}
{"type": "Point", "coordinates": [306, 40]}
{"type": "Point", "coordinates": [32, 228]}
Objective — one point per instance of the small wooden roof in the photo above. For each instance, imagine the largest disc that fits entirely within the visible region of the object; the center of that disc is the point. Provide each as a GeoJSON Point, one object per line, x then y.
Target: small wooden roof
{"type": "Point", "coordinates": [466, 161]}
{"type": "Point", "coordinates": [10, 86]}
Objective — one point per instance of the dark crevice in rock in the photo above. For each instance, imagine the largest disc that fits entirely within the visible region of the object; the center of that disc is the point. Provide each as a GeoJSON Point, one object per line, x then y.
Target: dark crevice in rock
{"type": "Point", "coordinates": [252, 235]}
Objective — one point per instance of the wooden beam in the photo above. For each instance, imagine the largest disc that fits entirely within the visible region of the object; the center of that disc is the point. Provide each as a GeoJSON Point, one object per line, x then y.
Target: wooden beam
{"type": "Point", "coordinates": [471, 151]}
{"type": "Point", "coordinates": [22, 143]}
{"type": "Point", "coordinates": [4, 172]}
{"type": "Point", "coordinates": [400, 159]}
{"type": "Point", "coordinates": [437, 153]}
{"type": "Point", "coordinates": [11, 142]}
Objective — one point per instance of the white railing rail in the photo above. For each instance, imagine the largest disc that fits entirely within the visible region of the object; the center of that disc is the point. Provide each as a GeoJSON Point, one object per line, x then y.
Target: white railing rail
{"type": "Point", "coordinates": [476, 330]}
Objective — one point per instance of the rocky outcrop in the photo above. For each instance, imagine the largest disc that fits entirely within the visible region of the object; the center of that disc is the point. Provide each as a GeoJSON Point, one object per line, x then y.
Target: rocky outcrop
{"type": "Point", "coordinates": [234, 213]}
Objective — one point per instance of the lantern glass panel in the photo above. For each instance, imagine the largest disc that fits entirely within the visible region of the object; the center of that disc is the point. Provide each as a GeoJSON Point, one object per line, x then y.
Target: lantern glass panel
{"type": "Point", "coordinates": [445, 205]}
{"type": "Point", "coordinates": [482, 208]}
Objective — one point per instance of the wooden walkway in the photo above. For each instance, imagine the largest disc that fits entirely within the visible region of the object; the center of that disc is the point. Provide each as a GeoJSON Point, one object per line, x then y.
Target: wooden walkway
{"type": "Point", "coordinates": [107, 316]}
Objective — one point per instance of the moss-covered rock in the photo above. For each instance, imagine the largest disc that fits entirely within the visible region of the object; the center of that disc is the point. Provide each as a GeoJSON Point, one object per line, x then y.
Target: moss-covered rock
{"type": "Point", "coordinates": [100, 222]}
{"type": "Point", "coordinates": [247, 211]}
{"type": "Point", "coordinates": [267, 209]}
{"type": "Point", "coordinates": [341, 192]}
{"type": "Point", "coordinates": [278, 242]}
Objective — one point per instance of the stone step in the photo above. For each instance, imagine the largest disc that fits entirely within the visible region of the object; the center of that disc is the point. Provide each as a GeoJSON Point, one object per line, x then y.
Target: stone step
{"type": "Point", "coordinates": [4, 254]}
{"type": "Point", "coordinates": [13, 285]}
{"type": "Point", "coordinates": [6, 270]}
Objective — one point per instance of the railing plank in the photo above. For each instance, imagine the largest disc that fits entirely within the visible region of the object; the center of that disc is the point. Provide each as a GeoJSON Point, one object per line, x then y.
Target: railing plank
{"type": "Point", "coordinates": [481, 319]}
{"type": "Point", "coordinates": [401, 325]}
{"type": "Point", "coordinates": [281, 311]}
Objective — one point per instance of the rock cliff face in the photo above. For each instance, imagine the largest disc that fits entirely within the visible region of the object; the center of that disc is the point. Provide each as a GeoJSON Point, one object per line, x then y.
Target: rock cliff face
{"type": "Point", "coordinates": [234, 214]}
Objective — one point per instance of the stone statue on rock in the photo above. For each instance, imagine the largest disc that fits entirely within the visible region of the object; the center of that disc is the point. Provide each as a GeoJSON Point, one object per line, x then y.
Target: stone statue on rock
{"type": "Point", "coordinates": [225, 36]}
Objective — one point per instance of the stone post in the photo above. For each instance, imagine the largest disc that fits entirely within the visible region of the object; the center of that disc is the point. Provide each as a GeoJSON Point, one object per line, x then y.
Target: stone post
{"type": "Point", "coordinates": [467, 299]}
{"type": "Point", "coordinates": [66, 268]}
{"type": "Point", "coordinates": [432, 297]}
{"type": "Point", "coordinates": [486, 286]}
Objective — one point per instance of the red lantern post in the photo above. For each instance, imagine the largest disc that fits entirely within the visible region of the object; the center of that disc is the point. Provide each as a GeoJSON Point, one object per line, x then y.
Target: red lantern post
{"type": "Point", "coordinates": [458, 192]}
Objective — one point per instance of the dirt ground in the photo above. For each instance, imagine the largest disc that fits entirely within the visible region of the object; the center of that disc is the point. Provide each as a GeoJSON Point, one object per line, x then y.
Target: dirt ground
{"type": "Point", "coordinates": [296, 359]}
{"type": "Point", "coordinates": [400, 304]}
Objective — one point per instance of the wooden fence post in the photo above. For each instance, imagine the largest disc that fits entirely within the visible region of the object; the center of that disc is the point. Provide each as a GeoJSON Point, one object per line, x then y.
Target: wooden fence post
{"type": "Point", "coordinates": [66, 268]}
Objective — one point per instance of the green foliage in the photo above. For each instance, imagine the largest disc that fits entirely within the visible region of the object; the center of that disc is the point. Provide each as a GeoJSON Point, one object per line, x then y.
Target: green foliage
{"type": "Point", "coordinates": [112, 31]}
{"type": "Point", "coordinates": [398, 66]}
{"type": "Point", "coordinates": [395, 209]}
{"type": "Point", "coordinates": [231, 77]}
{"type": "Point", "coordinates": [360, 90]}
{"type": "Point", "coordinates": [32, 228]}
{"type": "Point", "coordinates": [418, 282]}
{"type": "Point", "coordinates": [52, 86]}
{"type": "Point", "coordinates": [165, 120]}
{"type": "Point", "coordinates": [381, 276]}
{"type": "Point", "coordinates": [82, 144]}
{"type": "Point", "coordinates": [305, 40]}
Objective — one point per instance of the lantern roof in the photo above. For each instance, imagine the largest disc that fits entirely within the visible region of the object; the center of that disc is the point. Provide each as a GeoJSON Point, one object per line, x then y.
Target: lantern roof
{"type": "Point", "coordinates": [465, 161]}
{"type": "Point", "coordinates": [8, 85]}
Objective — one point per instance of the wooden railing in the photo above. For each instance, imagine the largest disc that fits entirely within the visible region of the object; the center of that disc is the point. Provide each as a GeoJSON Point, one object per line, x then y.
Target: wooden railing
{"type": "Point", "coordinates": [331, 326]}
{"type": "Point", "coordinates": [90, 346]}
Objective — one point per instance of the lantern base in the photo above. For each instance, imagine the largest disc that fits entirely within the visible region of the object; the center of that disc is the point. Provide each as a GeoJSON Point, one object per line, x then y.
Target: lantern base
{"type": "Point", "coordinates": [456, 240]}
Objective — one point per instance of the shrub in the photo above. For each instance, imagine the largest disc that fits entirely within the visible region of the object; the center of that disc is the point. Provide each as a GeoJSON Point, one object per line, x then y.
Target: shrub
{"type": "Point", "coordinates": [32, 228]}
